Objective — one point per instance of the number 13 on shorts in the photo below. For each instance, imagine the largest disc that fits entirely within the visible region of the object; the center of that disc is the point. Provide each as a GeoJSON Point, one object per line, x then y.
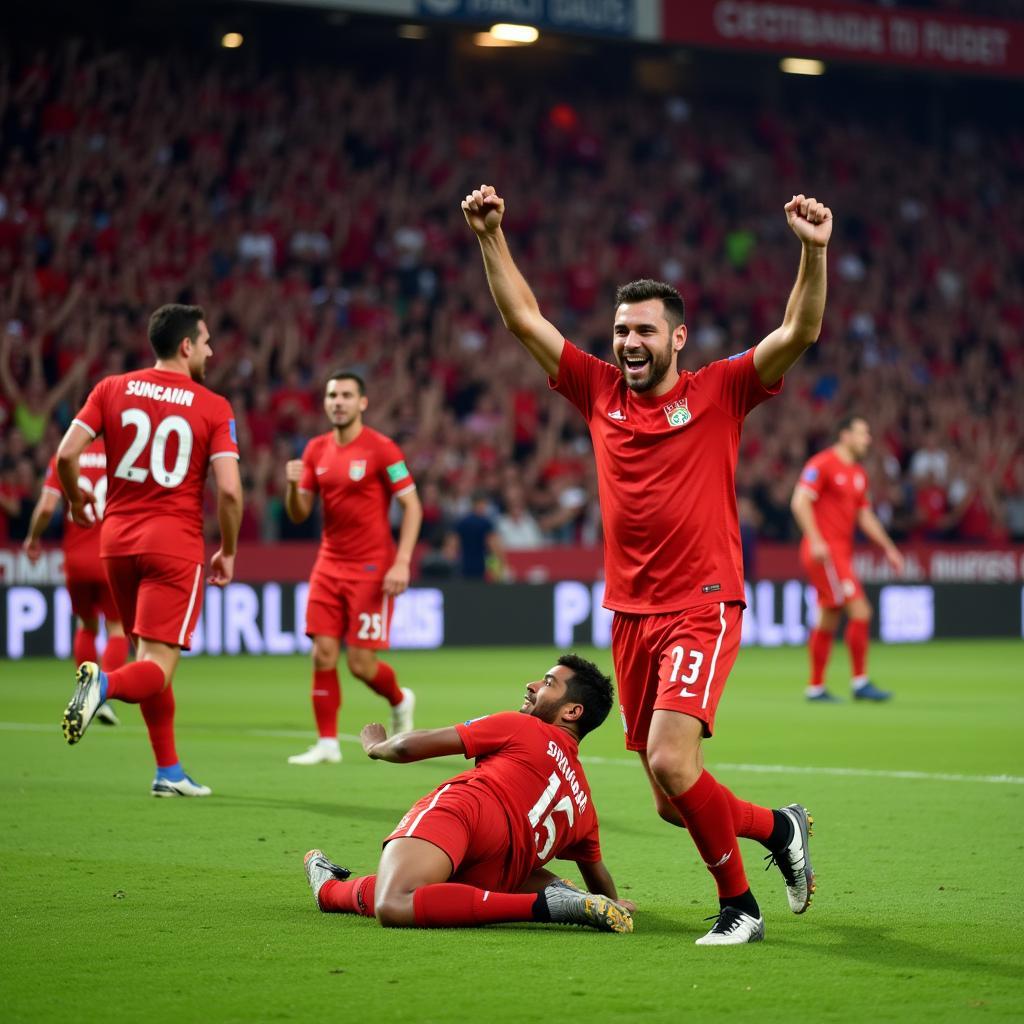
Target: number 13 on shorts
{"type": "Point", "coordinates": [693, 659]}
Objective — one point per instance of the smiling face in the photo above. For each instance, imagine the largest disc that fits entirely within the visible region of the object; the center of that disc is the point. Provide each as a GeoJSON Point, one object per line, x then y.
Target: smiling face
{"type": "Point", "coordinates": [645, 346]}
{"type": "Point", "coordinates": [343, 403]}
{"type": "Point", "coordinates": [546, 698]}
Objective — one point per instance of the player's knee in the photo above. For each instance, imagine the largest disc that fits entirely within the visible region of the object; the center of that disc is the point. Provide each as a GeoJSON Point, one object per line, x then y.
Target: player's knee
{"type": "Point", "coordinates": [362, 664]}
{"type": "Point", "coordinates": [674, 771]}
{"type": "Point", "coordinates": [325, 654]}
{"type": "Point", "coordinates": [394, 911]}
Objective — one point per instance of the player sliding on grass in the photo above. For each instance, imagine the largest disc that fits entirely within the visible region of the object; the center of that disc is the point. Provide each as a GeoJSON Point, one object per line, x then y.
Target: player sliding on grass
{"type": "Point", "coordinates": [473, 851]}
{"type": "Point", "coordinates": [163, 432]}
{"type": "Point", "coordinates": [666, 444]}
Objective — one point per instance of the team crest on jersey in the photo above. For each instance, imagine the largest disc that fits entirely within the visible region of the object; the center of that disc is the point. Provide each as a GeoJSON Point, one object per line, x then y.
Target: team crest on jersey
{"type": "Point", "coordinates": [357, 469]}
{"type": "Point", "coordinates": [678, 413]}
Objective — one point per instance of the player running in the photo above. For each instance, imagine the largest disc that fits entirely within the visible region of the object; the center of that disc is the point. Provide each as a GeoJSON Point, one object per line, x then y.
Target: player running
{"type": "Point", "coordinates": [831, 500]}
{"type": "Point", "coordinates": [473, 851]}
{"type": "Point", "coordinates": [358, 571]}
{"type": "Point", "coordinates": [163, 431]}
{"type": "Point", "coordinates": [665, 444]}
{"type": "Point", "coordinates": [84, 576]}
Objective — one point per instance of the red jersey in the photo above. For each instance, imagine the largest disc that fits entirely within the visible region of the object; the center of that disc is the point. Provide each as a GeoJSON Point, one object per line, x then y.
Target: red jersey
{"type": "Point", "coordinates": [161, 430]}
{"type": "Point", "coordinates": [82, 544]}
{"type": "Point", "coordinates": [840, 491]}
{"type": "Point", "coordinates": [533, 770]}
{"type": "Point", "coordinates": [666, 470]}
{"type": "Point", "coordinates": [356, 482]}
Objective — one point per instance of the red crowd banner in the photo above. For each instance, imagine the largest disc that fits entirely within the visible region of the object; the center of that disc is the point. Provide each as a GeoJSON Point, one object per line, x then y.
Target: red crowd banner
{"type": "Point", "coordinates": [809, 28]}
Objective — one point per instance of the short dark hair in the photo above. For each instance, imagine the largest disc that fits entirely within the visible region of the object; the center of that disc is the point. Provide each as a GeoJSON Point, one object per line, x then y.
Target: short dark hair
{"type": "Point", "coordinates": [347, 375]}
{"type": "Point", "coordinates": [588, 686]}
{"type": "Point", "coordinates": [848, 421]}
{"type": "Point", "coordinates": [170, 325]}
{"type": "Point", "coordinates": [644, 289]}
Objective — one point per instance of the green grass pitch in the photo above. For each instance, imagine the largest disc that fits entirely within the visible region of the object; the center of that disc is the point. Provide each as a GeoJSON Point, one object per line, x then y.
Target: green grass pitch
{"type": "Point", "coordinates": [118, 907]}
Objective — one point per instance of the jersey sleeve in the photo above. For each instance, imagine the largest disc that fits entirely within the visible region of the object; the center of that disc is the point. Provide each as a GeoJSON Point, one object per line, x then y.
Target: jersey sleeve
{"type": "Point", "coordinates": [735, 385]}
{"type": "Point", "coordinates": [90, 416]}
{"type": "Point", "coordinates": [580, 376]}
{"type": "Point", "coordinates": [811, 478]}
{"type": "Point", "coordinates": [224, 437]}
{"type": "Point", "coordinates": [396, 472]}
{"type": "Point", "coordinates": [308, 481]}
{"type": "Point", "coordinates": [490, 733]}
{"type": "Point", "coordinates": [51, 482]}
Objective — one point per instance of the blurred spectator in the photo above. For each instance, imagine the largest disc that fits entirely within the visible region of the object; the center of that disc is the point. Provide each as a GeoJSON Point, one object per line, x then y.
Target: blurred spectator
{"type": "Point", "coordinates": [480, 551]}
{"type": "Point", "coordinates": [516, 527]}
{"type": "Point", "coordinates": [131, 176]}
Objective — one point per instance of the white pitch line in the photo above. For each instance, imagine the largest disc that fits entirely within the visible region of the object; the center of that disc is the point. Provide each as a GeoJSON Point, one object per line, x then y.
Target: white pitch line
{"type": "Point", "coordinates": [623, 762]}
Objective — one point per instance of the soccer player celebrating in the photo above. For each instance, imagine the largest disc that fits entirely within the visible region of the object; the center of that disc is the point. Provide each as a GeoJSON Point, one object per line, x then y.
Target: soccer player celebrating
{"type": "Point", "coordinates": [473, 851]}
{"type": "Point", "coordinates": [163, 431]}
{"type": "Point", "coordinates": [830, 501]}
{"type": "Point", "coordinates": [666, 444]}
{"type": "Point", "coordinates": [83, 568]}
{"type": "Point", "coordinates": [358, 571]}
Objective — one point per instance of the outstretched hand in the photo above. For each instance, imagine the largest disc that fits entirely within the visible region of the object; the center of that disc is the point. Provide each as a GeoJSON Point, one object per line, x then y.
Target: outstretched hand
{"type": "Point", "coordinates": [810, 220]}
{"type": "Point", "coordinates": [371, 735]}
{"type": "Point", "coordinates": [484, 209]}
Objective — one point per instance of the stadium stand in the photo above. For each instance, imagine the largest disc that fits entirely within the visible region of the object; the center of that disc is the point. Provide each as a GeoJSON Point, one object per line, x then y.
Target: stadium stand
{"type": "Point", "coordinates": [300, 207]}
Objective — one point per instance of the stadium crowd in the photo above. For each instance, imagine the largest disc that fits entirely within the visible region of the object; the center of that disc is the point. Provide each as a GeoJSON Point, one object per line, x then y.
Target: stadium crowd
{"type": "Point", "coordinates": [315, 214]}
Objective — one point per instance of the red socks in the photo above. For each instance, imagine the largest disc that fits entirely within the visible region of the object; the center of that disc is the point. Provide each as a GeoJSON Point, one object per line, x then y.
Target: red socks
{"type": "Point", "coordinates": [115, 654]}
{"type": "Point", "coordinates": [84, 646]}
{"type": "Point", "coordinates": [749, 820]}
{"type": "Point", "coordinates": [326, 702]}
{"type": "Point", "coordinates": [708, 815]}
{"type": "Point", "coordinates": [136, 682]}
{"type": "Point", "coordinates": [452, 905]}
{"type": "Point", "coordinates": [158, 712]}
{"type": "Point", "coordinates": [819, 647]}
{"type": "Point", "coordinates": [386, 684]}
{"type": "Point", "coordinates": [445, 905]}
{"type": "Point", "coordinates": [354, 896]}
{"type": "Point", "coordinates": [857, 643]}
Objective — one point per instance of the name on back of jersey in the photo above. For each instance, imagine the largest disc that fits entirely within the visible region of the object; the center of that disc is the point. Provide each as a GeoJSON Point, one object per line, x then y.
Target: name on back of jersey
{"type": "Point", "coordinates": [579, 794]}
{"type": "Point", "coordinates": [160, 392]}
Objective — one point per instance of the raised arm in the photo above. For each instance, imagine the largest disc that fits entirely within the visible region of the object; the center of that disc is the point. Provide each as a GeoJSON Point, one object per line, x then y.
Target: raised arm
{"type": "Point", "coordinates": [396, 580]}
{"type": "Point", "coordinates": [872, 528]}
{"type": "Point", "coordinates": [484, 210]}
{"type": "Point", "coordinates": [811, 222]}
{"type": "Point", "coordinates": [417, 745]}
{"type": "Point", "coordinates": [229, 518]}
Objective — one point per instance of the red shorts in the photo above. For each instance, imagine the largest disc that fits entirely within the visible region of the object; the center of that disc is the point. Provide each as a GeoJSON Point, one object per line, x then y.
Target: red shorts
{"type": "Point", "coordinates": [833, 579]}
{"type": "Point", "coordinates": [159, 596]}
{"type": "Point", "coordinates": [470, 828]}
{"type": "Point", "coordinates": [87, 586]}
{"type": "Point", "coordinates": [355, 611]}
{"type": "Point", "coordinates": [673, 662]}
